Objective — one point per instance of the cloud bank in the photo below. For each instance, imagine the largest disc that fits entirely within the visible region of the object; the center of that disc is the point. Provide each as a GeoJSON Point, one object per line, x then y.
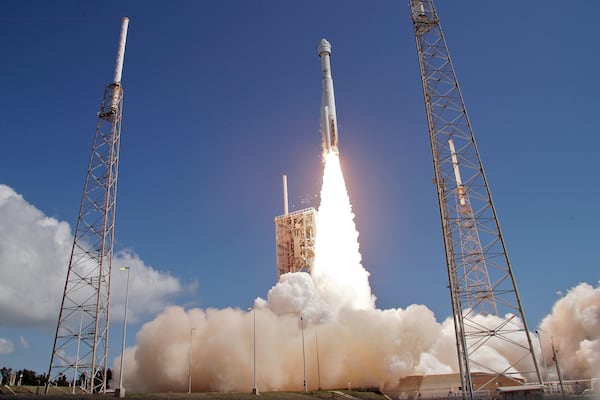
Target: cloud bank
{"type": "Point", "coordinates": [34, 254]}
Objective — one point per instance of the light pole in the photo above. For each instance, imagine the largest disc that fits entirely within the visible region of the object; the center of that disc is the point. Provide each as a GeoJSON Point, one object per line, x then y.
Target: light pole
{"type": "Point", "coordinates": [254, 387]}
{"type": "Point", "coordinates": [542, 352]}
{"type": "Point", "coordinates": [318, 366]}
{"type": "Point", "coordinates": [555, 358]}
{"type": "Point", "coordinates": [121, 391]}
{"type": "Point", "coordinates": [303, 355]}
{"type": "Point", "coordinates": [190, 366]}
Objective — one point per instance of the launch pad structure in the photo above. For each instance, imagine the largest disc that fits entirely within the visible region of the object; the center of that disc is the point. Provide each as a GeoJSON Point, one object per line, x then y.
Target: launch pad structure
{"type": "Point", "coordinates": [295, 238]}
{"type": "Point", "coordinates": [295, 232]}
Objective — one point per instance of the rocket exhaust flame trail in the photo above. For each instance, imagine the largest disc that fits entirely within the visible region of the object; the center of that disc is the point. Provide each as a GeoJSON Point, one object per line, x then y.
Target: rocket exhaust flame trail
{"type": "Point", "coordinates": [337, 272]}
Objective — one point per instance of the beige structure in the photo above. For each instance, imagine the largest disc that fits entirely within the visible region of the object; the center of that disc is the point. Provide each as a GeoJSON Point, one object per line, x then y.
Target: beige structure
{"type": "Point", "coordinates": [448, 386]}
{"type": "Point", "coordinates": [295, 241]}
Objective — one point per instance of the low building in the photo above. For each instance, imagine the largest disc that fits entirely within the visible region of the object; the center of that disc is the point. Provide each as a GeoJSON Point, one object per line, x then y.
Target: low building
{"type": "Point", "coordinates": [448, 386]}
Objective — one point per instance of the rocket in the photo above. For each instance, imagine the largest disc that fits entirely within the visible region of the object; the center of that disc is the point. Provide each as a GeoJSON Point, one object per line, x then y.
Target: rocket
{"type": "Point", "coordinates": [329, 128]}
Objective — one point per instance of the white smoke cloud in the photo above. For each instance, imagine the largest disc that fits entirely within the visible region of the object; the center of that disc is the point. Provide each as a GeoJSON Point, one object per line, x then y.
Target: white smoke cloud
{"type": "Point", "coordinates": [366, 347]}
{"type": "Point", "coordinates": [354, 341]}
{"type": "Point", "coordinates": [574, 328]}
{"type": "Point", "coordinates": [343, 339]}
{"type": "Point", "coordinates": [34, 253]}
{"type": "Point", "coordinates": [295, 293]}
{"type": "Point", "coordinates": [6, 346]}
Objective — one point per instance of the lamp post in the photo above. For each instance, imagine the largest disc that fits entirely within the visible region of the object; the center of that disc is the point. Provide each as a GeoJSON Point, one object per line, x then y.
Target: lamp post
{"type": "Point", "coordinates": [318, 366]}
{"type": "Point", "coordinates": [254, 387]}
{"type": "Point", "coordinates": [303, 355]}
{"type": "Point", "coordinates": [542, 352]}
{"type": "Point", "coordinates": [555, 358]}
{"type": "Point", "coordinates": [121, 391]}
{"type": "Point", "coordinates": [190, 365]}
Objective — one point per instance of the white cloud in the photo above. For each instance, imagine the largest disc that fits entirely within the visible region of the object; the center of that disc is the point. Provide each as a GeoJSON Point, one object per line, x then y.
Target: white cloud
{"type": "Point", "coordinates": [149, 289]}
{"type": "Point", "coordinates": [24, 343]}
{"type": "Point", "coordinates": [6, 346]}
{"type": "Point", "coordinates": [34, 253]}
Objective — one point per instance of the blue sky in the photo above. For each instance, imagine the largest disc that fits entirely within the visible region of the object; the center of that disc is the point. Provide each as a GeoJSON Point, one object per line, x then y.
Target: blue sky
{"type": "Point", "coordinates": [223, 97]}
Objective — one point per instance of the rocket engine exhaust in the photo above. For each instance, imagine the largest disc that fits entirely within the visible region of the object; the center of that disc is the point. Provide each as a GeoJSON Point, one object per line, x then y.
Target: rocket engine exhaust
{"type": "Point", "coordinates": [329, 128]}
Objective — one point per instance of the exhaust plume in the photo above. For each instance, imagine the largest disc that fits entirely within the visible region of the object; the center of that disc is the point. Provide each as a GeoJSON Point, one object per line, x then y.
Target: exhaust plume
{"type": "Point", "coordinates": [358, 345]}
{"type": "Point", "coordinates": [574, 328]}
{"type": "Point", "coordinates": [337, 271]}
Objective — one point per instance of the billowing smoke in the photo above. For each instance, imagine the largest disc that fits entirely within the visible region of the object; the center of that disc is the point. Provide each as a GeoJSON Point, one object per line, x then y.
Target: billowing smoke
{"type": "Point", "coordinates": [574, 330]}
{"type": "Point", "coordinates": [327, 321]}
{"type": "Point", "coordinates": [361, 347]}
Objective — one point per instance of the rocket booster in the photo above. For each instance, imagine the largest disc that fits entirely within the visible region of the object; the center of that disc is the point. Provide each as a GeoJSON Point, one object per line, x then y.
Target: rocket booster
{"type": "Point", "coordinates": [329, 128]}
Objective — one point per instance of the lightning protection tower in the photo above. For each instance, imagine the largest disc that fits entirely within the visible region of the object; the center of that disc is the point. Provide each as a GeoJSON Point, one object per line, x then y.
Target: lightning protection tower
{"type": "Point", "coordinates": [485, 302]}
{"type": "Point", "coordinates": [79, 354]}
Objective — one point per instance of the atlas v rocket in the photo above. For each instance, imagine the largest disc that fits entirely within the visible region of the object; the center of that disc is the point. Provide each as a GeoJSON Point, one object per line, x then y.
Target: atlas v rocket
{"type": "Point", "coordinates": [329, 128]}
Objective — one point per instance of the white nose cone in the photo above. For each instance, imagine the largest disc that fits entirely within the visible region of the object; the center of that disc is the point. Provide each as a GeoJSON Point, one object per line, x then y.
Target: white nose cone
{"type": "Point", "coordinates": [324, 47]}
{"type": "Point", "coordinates": [329, 128]}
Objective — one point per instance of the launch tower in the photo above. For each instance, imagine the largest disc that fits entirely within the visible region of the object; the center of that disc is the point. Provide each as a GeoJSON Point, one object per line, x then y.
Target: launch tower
{"type": "Point", "coordinates": [80, 350]}
{"type": "Point", "coordinates": [295, 238]}
{"type": "Point", "coordinates": [485, 301]}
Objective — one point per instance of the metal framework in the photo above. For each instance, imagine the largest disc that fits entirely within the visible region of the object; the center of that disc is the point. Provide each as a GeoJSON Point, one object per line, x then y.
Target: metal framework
{"type": "Point", "coordinates": [479, 293]}
{"type": "Point", "coordinates": [295, 241]}
{"type": "Point", "coordinates": [81, 342]}
{"type": "Point", "coordinates": [485, 301]}
{"type": "Point", "coordinates": [80, 350]}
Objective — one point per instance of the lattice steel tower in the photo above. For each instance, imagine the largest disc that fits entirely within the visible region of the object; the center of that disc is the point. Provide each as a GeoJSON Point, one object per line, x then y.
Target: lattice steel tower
{"type": "Point", "coordinates": [79, 355]}
{"type": "Point", "coordinates": [485, 302]}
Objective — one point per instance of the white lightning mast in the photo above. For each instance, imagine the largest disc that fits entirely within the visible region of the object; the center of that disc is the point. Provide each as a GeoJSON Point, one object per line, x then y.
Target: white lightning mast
{"type": "Point", "coordinates": [81, 341]}
{"type": "Point", "coordinates": [480, 275]}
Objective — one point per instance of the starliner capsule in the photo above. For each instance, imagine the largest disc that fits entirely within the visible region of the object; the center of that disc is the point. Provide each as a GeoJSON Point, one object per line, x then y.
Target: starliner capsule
{"type": "Point", "coordinates": [329, 128]}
